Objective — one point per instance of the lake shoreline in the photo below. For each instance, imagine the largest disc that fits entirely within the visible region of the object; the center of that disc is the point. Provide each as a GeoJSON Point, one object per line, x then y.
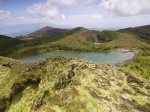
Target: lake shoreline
{"type": "Point", "coordinates": [83, 51]}
{"type": "Point", "coordinates": [94, 56]}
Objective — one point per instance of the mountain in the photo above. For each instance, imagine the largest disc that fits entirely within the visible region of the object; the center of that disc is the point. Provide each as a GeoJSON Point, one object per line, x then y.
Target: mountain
{"type": "Point", "coordinates": [8, 42]}
{"type": "Point", "coordinates": [78, 38]}
{"type": "Point", "coordinates": [70, 85]}
{"type": "Point", "coordinates": [23, 29]}
{"type": "Point", "coordinates": [141, 31]}
{"type": "Point", "coordinates": [45, 32]}
{"type": "Point", "coordinates": [90, 40]}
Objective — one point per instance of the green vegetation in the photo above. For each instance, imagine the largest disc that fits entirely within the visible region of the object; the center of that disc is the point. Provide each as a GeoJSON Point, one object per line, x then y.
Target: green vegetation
{"type": "Point", "coordinates": [70, 85]}
{"type": "Point", "coordinates": [145, 36]}
{"type": "Point", "coordinates": [20, 48]}
{"type": "Point", "coordinates": [107, 36]}
{"type": "Point", "coordinates": [44, 32]}
{"type": "Point", "coordinates": [90, 39]}
{"type": "Point", "coordinates": [140, 65]}
{"type": "Point", "coordinates": [8, 42]}
{"type": "Point", "coordinates": [141, 32]}
{"type": "Point", "coordinates": [68, 41]}
{"type": "Point", "coordinates": [78, 39]}
{"type": "Point", "coordinates": [81, 39]}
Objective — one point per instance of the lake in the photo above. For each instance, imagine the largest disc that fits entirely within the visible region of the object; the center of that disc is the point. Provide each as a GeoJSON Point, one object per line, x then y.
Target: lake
{"type": "Point", "coordinates": [112, 57]}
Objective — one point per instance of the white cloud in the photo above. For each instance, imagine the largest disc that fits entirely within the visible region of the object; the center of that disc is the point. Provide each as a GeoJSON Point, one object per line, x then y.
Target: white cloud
{"type": "Point", "coordinates": [125, 7]}
{"type": "Point", "coordinates": [51, 9]}
{"type": "Point", "coordinates": [45, 12]}
{"type": "Point", "coordinates": [4, 14]}
{"type": "Point", "coordinates": [63, 2]}
{"type": "Point", "coordinates": [97, 16]}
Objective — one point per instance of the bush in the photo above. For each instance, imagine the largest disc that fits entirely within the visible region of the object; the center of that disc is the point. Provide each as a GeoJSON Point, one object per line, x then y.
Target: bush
{"type": "Point", "coordinates": [107, 35]}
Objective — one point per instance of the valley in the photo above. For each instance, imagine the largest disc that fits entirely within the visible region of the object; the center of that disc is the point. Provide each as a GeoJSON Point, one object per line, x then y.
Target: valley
{"type": "Point", "coordinates": [71, 83]}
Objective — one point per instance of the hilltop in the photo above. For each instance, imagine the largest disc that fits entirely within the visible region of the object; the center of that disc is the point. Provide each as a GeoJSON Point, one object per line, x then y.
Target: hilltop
{"type": "Point", "coordinates": [78, 38]}
{"type": "Point", "coordinates": [45, 32]}
{"type": "Point", "coordinates": [142, 32]}
{"type": "Point", "coordinates": [67, 84]}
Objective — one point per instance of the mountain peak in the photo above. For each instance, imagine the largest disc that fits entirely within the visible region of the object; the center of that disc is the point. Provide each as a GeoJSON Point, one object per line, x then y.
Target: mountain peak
{"type": "Point", "coordinates": [47, 31]}
{"type": "Point", "coordinates": [48, 27]}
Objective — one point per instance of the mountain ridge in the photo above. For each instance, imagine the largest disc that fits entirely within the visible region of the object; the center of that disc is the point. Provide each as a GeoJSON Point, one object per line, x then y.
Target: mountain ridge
{"type": "Point", "coordinates": [77, 39]}
{"type": "Point", "coordinates": [142, 32]}
{"type": "Point", "coordinates": [47, 31]}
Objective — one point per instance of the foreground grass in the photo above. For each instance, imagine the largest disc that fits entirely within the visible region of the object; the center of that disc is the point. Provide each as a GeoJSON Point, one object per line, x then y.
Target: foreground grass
{"type": "Point", "coordinates": [70, 85]}
{"type": "Point", "coordinates": [140, 65]}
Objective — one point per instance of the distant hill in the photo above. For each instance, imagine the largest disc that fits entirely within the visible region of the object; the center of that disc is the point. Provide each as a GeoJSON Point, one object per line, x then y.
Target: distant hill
{"type": "Point", "coordinates": [85, 39]}
{"type": "Point", "coordinates": [142, 32]}
{"type": "Point", "coordinates": [8, 42]}
{"type": "Point", "coordinates": [23, 29]}
{"type": "Point", "coordinates": [78, 38]}
{"type": "Point", "coordinates": [45, 32]}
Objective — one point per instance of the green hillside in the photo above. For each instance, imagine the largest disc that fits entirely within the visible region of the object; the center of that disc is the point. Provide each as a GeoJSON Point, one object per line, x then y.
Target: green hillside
{"type": "Point", "coordinates": [46, 44]}
{"type": "Point", "coordinates": [70, 85]}
{"type": "Point", "coordinates": [47, 32]}
{"type": "Point", "coordinates": [81, 39]}
{"type": "Point", "coordinates": [142, 32]}
{"type": "Point", "coordinates": [107, 36]}
{"type": "Point", "coordinates": [8, 42]}
{"type": "Point", "coordinates": [139, 65]}
{"type": "Point", "coordinates": [78, 39]}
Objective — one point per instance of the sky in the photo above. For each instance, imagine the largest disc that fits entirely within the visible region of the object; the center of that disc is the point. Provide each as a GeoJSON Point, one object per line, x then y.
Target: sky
{"type": "Point", "coordinates": [74, 13]}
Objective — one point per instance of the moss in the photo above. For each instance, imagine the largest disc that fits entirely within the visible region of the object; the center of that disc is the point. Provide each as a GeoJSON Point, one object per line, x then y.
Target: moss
{"type": "Point", "coordinates": [67, 84]}
{"type": "Point", "coordinates": [114, 95]}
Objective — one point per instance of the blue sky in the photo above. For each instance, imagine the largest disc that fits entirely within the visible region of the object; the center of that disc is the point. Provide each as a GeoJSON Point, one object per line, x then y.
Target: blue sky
{"type": "Point", "coordinates": [72, 13]}
{"type": "Point", "coordinates": [18, 6]}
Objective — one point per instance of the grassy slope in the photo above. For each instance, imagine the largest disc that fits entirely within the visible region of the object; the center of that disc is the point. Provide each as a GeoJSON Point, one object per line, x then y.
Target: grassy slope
{"type": "Point", "coordinates": [107, 36]}
{"type": "Point", "coordinates": [142, 32]}
{"type": "Point", "coordinates": [30, 47]}
{"type": "Point", "coordinates": [8, 42]}
{"type": "Point", "coordinates": [48, 32]}
{"type": "Point", "coordinates": [124, 41]}
{"type": "Point", "coordinates": [62, 84]}
{"type": "Point", "coordinates": [139, 65]}
{"type": "Point", "coordinates": [81, 39]}
{"type": "Point", "coordinates": [78, 39]}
